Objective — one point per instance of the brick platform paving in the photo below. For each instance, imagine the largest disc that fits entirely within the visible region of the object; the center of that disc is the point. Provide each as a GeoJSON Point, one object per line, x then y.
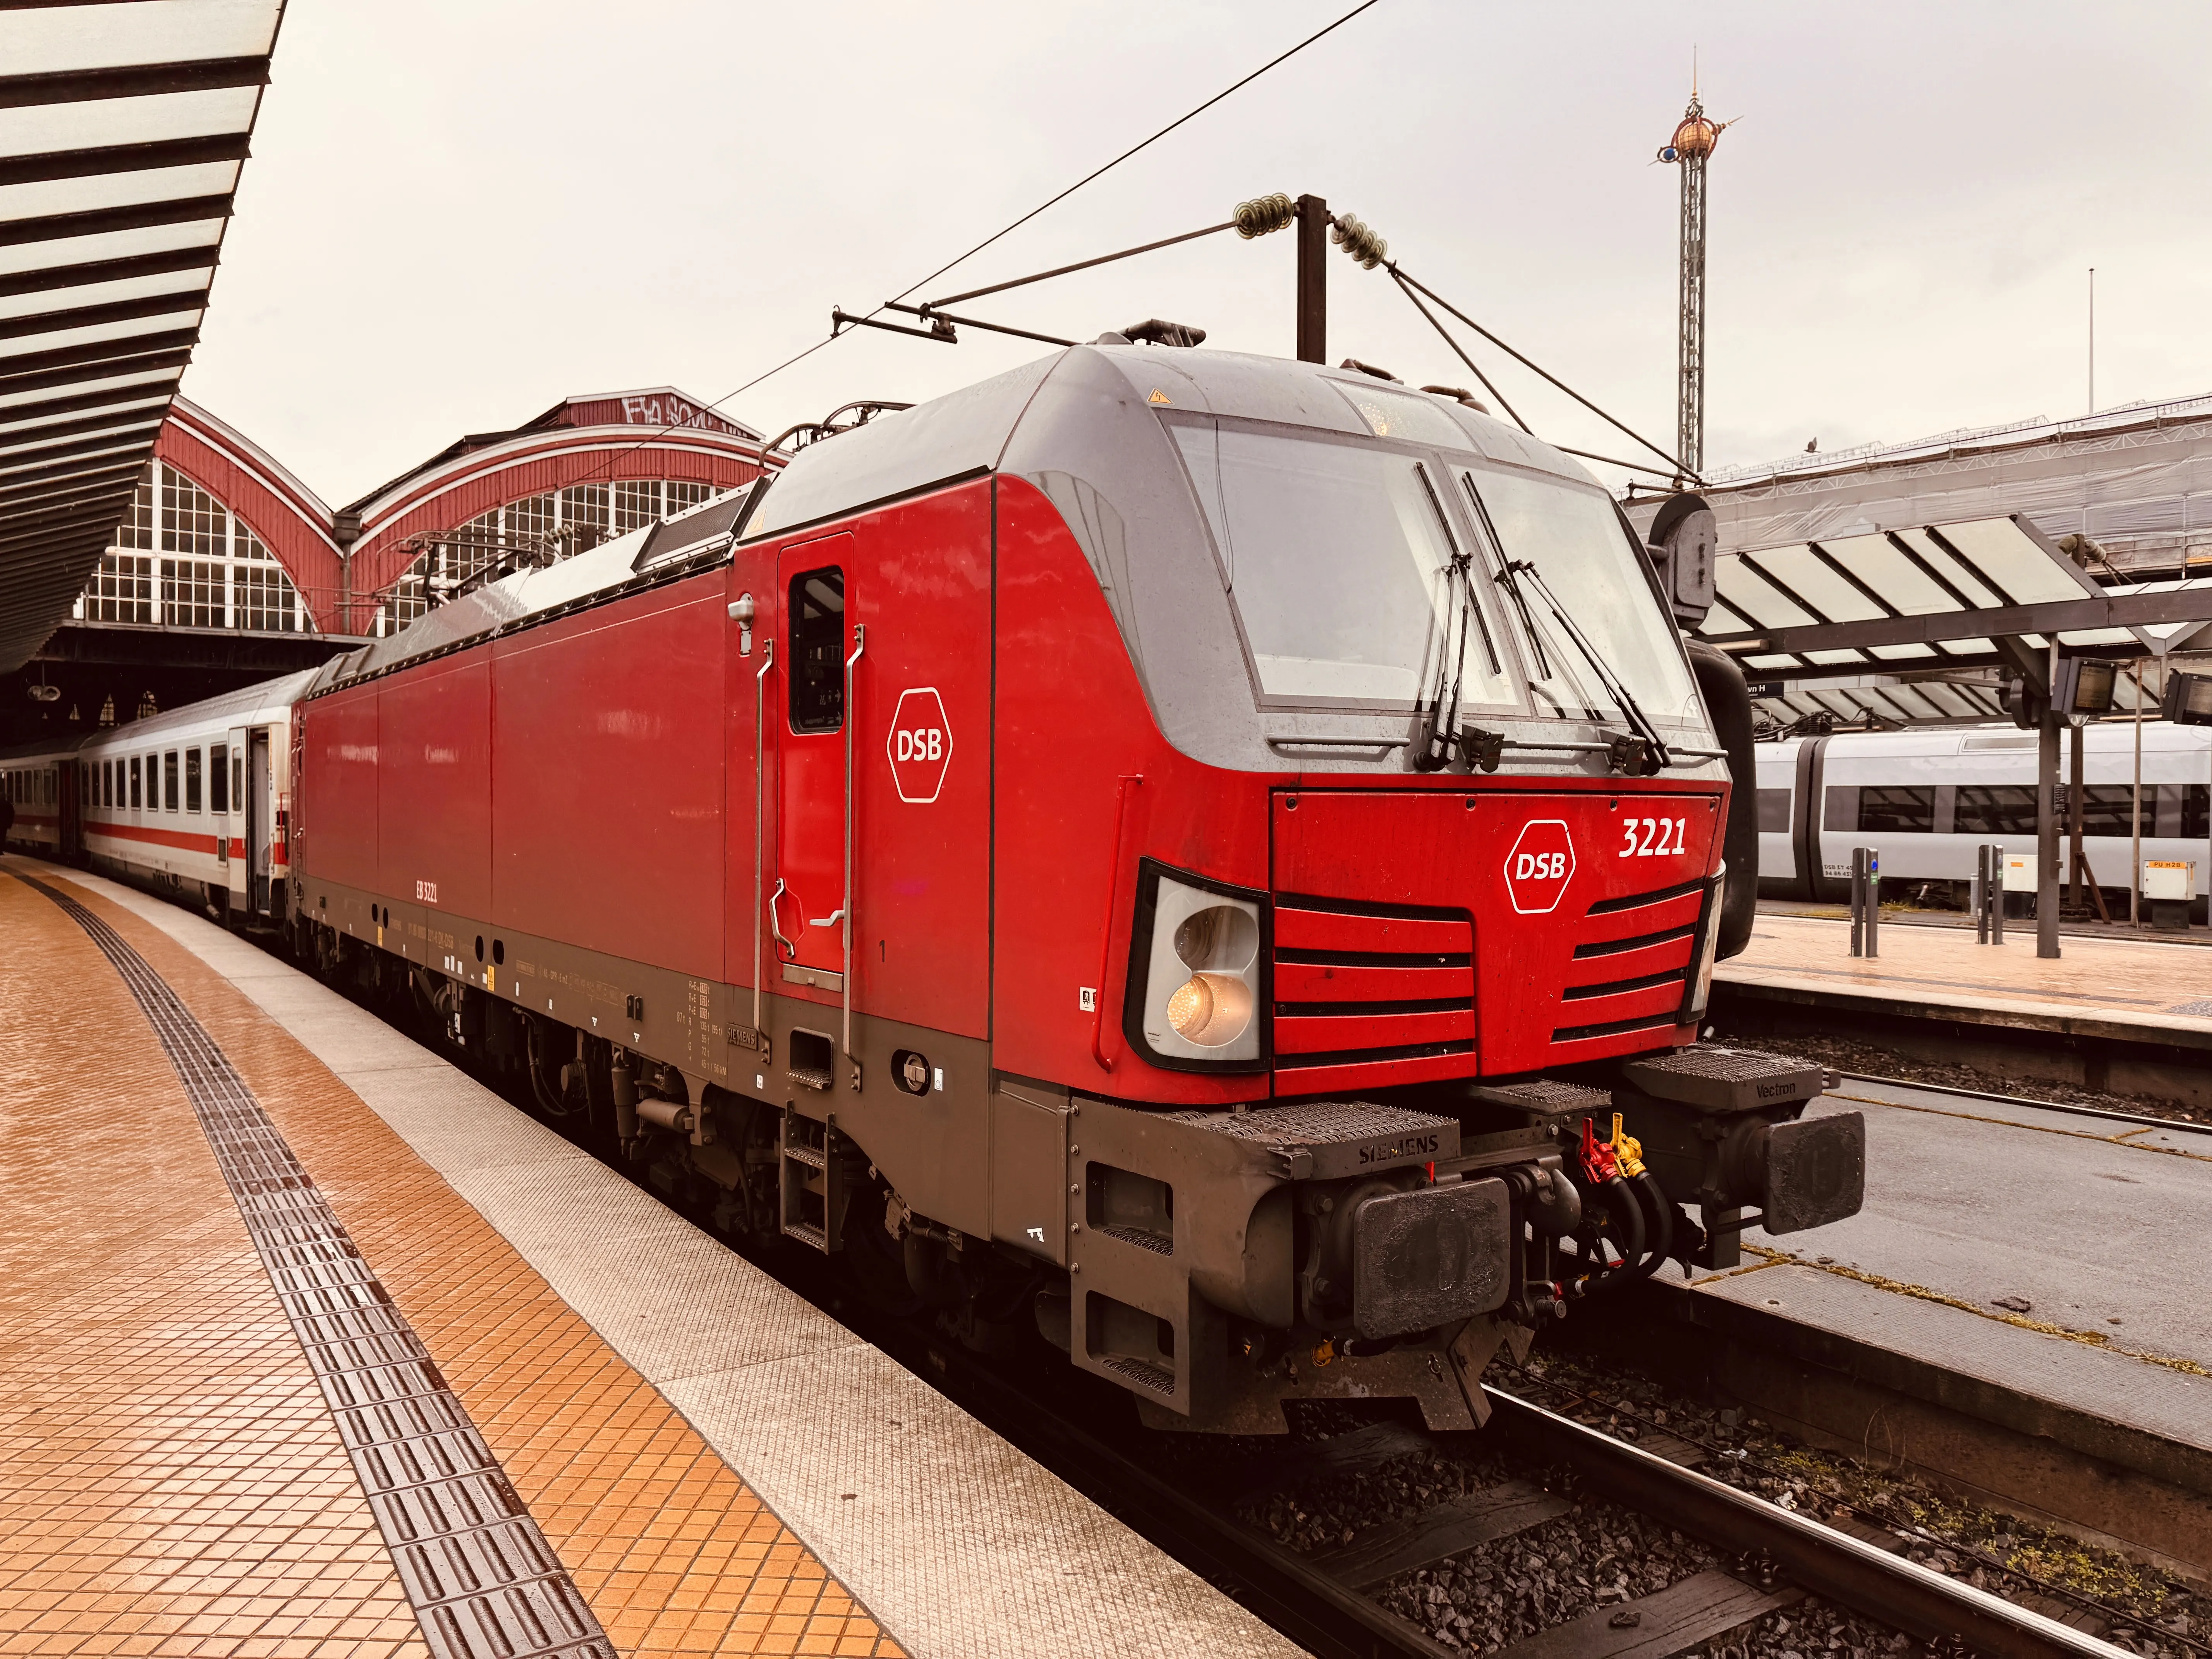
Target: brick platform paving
{"type": "Point", "coordinates": [170, 1480]}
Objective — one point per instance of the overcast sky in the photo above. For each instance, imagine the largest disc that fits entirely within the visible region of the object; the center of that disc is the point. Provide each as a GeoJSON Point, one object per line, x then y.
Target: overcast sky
{"type": "Point", "coordinates": [459, 212]}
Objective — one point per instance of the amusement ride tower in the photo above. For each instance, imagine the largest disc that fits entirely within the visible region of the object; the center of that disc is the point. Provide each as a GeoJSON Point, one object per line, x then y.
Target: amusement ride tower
{"type": "Point", "coordinates": [1690, 148]}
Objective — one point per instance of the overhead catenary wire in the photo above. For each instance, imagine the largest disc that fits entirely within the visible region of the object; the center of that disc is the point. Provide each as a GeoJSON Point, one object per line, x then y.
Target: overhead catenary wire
{"type": "Point", "coordinates": [1407, 282]}
{"type": "Point", "coordinates": [1091, 177]}
{"type": "Point", "coordinates": [1472, 367]}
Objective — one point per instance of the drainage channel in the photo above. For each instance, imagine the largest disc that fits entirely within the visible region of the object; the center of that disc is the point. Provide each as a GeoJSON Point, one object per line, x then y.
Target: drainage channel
{"type": "Point", "coordinates": [484, 1582]}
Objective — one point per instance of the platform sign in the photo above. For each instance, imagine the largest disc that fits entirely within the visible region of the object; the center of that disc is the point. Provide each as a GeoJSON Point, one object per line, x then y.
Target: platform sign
{"type": "Point", "coordinates": [1540, 865]}
{"type": "Point", "coordinates": [919, 745]}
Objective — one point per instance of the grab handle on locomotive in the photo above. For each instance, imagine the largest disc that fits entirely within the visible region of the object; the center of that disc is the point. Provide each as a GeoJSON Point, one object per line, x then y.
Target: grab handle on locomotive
{"type": "Point", "coordinates": [785, 948]}
{"type": "Point", "coordinates": [845, 910]}
{"type": "Point", "coordinates": [760, 815]}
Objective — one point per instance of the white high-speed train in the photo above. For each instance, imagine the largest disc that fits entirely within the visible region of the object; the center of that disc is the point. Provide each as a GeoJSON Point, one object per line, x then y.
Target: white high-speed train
{"type": "Point", "coordinates": [1926, 799]}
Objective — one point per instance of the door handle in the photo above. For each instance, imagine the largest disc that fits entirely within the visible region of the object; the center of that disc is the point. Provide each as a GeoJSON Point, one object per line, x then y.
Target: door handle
{"type": "Point", "coordinates": [829, 920]}
{"type": "Point", "coordinates": [785, 948]}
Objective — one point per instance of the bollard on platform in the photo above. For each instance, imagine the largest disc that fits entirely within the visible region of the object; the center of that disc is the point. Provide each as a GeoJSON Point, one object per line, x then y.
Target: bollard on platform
{"type": "Point", "coordinates": [1989, 894]}
{"type": "Point", "coordinates": [1866, 902]}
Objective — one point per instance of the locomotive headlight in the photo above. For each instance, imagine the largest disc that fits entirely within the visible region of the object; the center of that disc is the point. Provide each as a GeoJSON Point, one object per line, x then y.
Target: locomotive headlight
{"type": "Point", "coordinates": [1196, 994]}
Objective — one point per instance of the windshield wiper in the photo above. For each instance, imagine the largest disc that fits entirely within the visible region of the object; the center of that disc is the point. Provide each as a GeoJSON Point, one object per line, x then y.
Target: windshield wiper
{"type": "Point", "coordinates": [1444, 740]}
{"type": "Point", "coordinates": [1624, 751]}
{"type": "Point", "coordinates": [1655, 758]}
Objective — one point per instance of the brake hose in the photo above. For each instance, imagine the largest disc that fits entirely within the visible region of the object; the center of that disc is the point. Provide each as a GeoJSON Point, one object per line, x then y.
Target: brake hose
{"type": "Point", "coordinates": [1623, 1205]}
{"type": "Point", "coordinates": [1660, 1209]}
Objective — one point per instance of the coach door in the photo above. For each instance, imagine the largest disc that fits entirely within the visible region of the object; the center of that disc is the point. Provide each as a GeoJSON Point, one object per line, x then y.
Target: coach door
{"type": "Point", "coordinates": [70, 780]}
{"type": "Point", "coordinates": [260, 817]}
{"type": "Point", "coordinates": [806, 895]}
{"type": "Point", "coordinates": [235, 865]}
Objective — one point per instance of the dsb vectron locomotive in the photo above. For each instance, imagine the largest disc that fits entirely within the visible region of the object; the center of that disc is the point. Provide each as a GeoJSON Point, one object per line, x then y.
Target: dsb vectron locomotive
{"type": "Point", "coordinates": [1217, 857]}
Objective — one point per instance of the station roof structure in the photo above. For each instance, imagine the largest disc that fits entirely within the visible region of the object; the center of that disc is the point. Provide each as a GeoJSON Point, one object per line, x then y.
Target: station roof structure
{"type": "Point", "coordinates": [1918, 624]}
{"type": "Point", "coordinates": [123, 130]}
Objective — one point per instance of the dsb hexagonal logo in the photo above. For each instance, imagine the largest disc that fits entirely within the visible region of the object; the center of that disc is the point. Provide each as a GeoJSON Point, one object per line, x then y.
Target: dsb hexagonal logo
{"type": "Point", "coordinates": [920, 745]}
{"type": "Point", "coordinates": [1539, 866]}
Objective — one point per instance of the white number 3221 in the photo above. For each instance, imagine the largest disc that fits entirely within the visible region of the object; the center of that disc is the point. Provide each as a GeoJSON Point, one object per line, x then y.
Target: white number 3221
{"type": "Point", "coordinates": [1650, 837]}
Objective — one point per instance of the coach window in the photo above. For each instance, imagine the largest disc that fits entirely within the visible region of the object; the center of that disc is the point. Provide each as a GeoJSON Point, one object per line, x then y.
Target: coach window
{"type": "Point", "coordinates": [817, 650]}
{"type": "Point", "coordinates": [1897, 812]}
{"type": "Point", "coordinates": [134, 783]}
{"type": "Point", "coordinates": [238, 777]}
{"type": "Point", "coordinates": [169, 782]}
{"type": "Point", "coordinates": [2004, 809]}
{"type": "Point", "coordinates": [192, 779]}
{"type": "Point", "coordinates": [218, 781]}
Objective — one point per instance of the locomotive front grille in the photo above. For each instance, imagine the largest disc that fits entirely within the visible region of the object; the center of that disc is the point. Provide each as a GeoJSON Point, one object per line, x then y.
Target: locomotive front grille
{"type": "Point", "coordinates": [1632, 980]}
{"type": "Point", "coordinates": [1359, 987]}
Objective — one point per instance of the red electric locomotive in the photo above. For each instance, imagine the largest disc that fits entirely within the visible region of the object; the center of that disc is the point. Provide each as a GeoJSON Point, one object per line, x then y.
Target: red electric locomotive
{"type": "Point", "coordinates": [1220, 857]}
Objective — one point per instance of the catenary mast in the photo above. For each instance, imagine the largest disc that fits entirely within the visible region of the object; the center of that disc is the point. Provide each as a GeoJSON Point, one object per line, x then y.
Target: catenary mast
{"type": "Point", "coordinates": [1691, 148]}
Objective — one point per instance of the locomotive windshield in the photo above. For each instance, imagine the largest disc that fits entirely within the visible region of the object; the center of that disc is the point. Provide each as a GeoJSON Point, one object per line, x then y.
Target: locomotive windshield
{"type": "Point", "coordinates": [1338, 558]}
{"type": "Point", "coordinates": [1573, 540]}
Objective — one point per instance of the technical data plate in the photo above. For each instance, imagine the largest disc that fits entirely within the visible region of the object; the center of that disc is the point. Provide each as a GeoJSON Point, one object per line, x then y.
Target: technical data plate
{"type": "Point", "coordinates": [1341, 1137]}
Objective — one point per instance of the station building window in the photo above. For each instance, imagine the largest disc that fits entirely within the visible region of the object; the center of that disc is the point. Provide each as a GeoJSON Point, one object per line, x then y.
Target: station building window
{"type": "Point", "coordinates": [182, 559]}
{"type": "Point", "coordinates": [559, 523]}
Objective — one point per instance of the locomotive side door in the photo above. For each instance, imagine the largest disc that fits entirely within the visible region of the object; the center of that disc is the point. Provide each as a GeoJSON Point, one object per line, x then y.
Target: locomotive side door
{"type": "Point", "coordinates": [806, 889]}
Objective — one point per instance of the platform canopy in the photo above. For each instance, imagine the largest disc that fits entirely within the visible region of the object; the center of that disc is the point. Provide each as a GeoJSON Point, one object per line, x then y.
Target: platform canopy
{"type": "Point", "coordinates": [123, 128]}
{"type": "Point", "coordinates": [1920, 625]}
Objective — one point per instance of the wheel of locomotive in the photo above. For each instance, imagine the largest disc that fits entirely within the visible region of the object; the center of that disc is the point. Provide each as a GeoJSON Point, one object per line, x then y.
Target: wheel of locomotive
{"type": "Point", "coordinates": [875, 1261]}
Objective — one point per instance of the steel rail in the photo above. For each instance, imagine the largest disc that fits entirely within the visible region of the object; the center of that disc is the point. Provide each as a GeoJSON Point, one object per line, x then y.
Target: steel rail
{"type": "Point", "coordinates": [1834, 1564]}
{"type": "Point", "coordinates": [2141, 1119]}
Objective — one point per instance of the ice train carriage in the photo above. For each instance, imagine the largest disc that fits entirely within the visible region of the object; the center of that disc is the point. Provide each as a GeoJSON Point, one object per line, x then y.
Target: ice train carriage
{"type": "Point", "coordinates": [1926, 799]}
{"type": "Point", "coordinates": [194, 803]}
{"type": "Point", "coordinates": [1224, 1029]}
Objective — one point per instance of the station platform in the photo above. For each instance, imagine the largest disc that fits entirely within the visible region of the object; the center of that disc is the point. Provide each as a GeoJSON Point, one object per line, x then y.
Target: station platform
{"type": "Point", "coordinates": [2134, 989]}
{"type": "Point", "coordinates": [2017, 1270]}
{"type": "Point", "coordinates": [310, 1346]}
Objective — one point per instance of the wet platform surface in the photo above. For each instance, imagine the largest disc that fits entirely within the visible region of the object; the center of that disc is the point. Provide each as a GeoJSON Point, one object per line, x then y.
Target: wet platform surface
{"type": "Point", "coordinates": [249, 1413]}
{"type": "Point", "coordinates": [2128, 986]}
{"type": "Point", "coordinates": [2045, 1250]}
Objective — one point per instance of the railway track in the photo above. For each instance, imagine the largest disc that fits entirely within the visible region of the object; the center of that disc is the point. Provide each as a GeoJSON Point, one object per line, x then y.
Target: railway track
{"type": "Point", "coordinates": [1775, 1558]}
{"type": "Point", "coordinates": [1772, 1557]}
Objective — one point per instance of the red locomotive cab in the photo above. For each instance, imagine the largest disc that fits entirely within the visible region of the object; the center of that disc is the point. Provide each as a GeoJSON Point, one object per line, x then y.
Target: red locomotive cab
{"type": "Point", "coordinates": [1346, 779]}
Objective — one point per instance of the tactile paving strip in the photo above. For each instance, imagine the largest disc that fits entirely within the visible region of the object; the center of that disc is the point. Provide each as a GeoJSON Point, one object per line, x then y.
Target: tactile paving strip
{"type": "Point", "coordinates": [484, 1583]}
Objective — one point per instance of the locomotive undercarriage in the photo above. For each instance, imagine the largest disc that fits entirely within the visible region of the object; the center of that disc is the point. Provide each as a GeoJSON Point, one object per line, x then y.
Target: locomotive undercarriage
{"type": "Point", "coordinates": [1213, 1264]}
